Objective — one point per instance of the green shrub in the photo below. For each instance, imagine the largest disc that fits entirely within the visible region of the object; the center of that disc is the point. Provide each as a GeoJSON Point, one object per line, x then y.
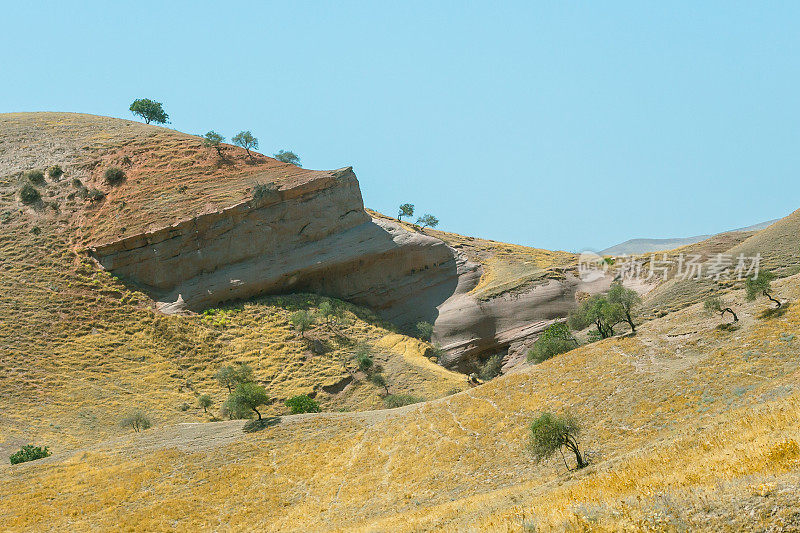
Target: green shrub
{"type": "Point", "coordinates": [302, 404]}
{"type": "Point", "coordinates": [392, 401]}
{"type": "Point", "coordinates": [379, 380]}
{"type": "Point", "coordinates": [492, 367]}
{"type": "Point", "coordinates": [554, 340]}
{"type": "Point", "coordinates": [205, 401]}
{"type": "Point", "coordinates": [55, 172]}
{"type": "Point", "coordinates": [302, 320]}
{"type": "Point", "coordinates": [28, 194]}
{"type": "Point", "coordinates": [114, 176]}
{"type": "Point", "coordinates": [363, 356]}
{"type": "Point", "coordinates": [137, 421]}
{"type": "Point", "coordinates": [29, 453]}
{"type": "Point", "coordinates": [35, 176]}
{"type": "Point", "coordinates": [425, 330]}
{"type": "Point", "coordinates": [287, 156]}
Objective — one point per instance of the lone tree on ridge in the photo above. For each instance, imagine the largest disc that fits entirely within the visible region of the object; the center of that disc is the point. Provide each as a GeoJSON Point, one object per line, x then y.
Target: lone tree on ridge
{"type": "Point", "coordinates": [406, 210]}
{"type": "Point", "coordinates": [287, 156]}
{"type": "Point", "coordinates": [149, 110]}
{"type": "Point", "coordinates": [212, 139]}
{"type": "Point", "coordinates": [246, 140]}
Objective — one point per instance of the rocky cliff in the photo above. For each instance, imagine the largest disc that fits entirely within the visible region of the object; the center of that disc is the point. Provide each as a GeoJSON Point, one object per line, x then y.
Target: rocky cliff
{"type": "Point", "coordinates": [315, 236]}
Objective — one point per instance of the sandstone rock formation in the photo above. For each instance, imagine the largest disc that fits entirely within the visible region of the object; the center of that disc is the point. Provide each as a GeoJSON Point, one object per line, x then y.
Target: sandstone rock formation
{"type": "Point", "coordinates": [315, 236]}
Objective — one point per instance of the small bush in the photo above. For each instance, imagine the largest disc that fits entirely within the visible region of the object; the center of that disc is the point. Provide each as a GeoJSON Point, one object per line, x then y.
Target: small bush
{"type": "Point", "coordinates": [492, 367]}
{"type": "Point", "coordinates": [302, 320]}
{"type": "Point", "coordinates": [263, 190]}
{"type": "Point", "coordinates": [554, 340]}
{"type": "Point", "coordinates": [392, 401]}
{"type": "Point", "coordinates": [114, 176]}
{"type": "Point", "coordinates": [379, 380]}
{"type": "Point", "coordinates": [77, 183]}
{"type": "Point", "coordinates": [35, 176]}
{"type": "Point", "coordinates": [29, 453]}
{"type": "Point", "coordinates": [95, 195]}
{"type": "Point", "coordinates": [425, 330]}
{"type": "Point", "coordinates": [55, 172]}
{"type": "Point", "coordinates": [28, 194]}
{"type": "Point", "coordinates": [363, 356]}
{"type": "Point", "coordinates": [302, 404]}
{"type": "Point", "coordinates": [205, 402]}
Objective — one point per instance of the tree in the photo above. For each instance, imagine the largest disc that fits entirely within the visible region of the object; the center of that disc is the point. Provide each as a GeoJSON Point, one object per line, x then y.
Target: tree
{"type": "Point", "coordinates": [302, 404]}
{"type": "Point", "coordinates": [379, 380]}
{"type": "Point", "coordinates": [136, 420]}
{"type": "Point", "coordinates": [760, 284]}
{"type": "Point", "coordinates": [427, 221]}
{"type": "Point", "coordinates": [626, 299]}
{"type": "Point", "coordinates": [329, 313]}
{"type": "Point", "coordinates": [29, 453]}
{"type": "Point", "coordinates": [302, 320]}
{"type": "Point", "coordinates": [248, 396]}
{"type": "Point", "coordinates": [714, 304]}
{"type": "Point", "coordinates": [425, 330]}
{"type": "Point", "coordinates": [230, 376]}
{"type": "Point", "coordinates": [551, 433]}
{"type": "Point", "coordinates": [554, 340]}
{"type": "Point", "coordinates": [212, 139]}
{"type": "Point", "coordinates": [406, 210]}
{"type": "Point", "coordinates": [205, 402]}
{"type": "Point", "coordinates": [599, 311]}
{"type": "Point", "coordinates": [286, 156]}
{"type": "Point", "coordinates": [246, 140]}
{"type": "Point", "coordinates": [149, 110]}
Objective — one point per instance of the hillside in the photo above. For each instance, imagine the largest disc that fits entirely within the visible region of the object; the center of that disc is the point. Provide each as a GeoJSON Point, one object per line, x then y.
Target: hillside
{"type": "Point", "coordinates": [646, 246]}
{"type": "Point", "coordinates": [135, 298]}
{"type": "Point", "coordinates": [687, 424]}
{"type": "Point", "coordinates": [79, 348]}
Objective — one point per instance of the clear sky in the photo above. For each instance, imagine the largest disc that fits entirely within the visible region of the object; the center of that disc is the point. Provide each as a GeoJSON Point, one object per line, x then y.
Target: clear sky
{"type": "Point", "coordinates": [565, 125]}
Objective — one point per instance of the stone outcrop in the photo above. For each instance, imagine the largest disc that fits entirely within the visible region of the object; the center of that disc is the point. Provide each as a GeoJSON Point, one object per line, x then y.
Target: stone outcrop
{"type": "Point", "coordinates": [316, 237]}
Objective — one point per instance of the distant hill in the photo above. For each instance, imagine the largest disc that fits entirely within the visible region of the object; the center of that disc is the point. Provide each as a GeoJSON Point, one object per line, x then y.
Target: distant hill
{"type": "Point", "coordinates": [643, 246]}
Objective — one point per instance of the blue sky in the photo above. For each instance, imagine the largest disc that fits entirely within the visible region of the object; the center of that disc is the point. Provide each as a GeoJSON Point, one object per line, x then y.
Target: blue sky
{"type": "Point", "coordinates": [565, 125]}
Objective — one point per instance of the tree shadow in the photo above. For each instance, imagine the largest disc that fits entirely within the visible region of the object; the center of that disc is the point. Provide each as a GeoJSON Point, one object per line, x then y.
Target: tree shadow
{"type": "Point", "coordinates": [257, 425]}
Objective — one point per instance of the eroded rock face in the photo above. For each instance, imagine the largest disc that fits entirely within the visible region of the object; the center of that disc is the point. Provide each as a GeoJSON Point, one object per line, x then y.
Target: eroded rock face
{"type": "Point", "coordinates": [317, 237]}
{"type": "Point", "coordinates": [469, 328]}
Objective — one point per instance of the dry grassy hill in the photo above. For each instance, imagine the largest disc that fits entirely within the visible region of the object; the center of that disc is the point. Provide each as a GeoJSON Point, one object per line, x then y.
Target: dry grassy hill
{"type": "Point", "coordinates": [690, 427]}
{"type": "Point", "coordinates": [78, 348]}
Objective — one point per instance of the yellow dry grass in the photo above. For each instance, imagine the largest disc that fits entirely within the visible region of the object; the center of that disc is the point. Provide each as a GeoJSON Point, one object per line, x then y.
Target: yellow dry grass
{"type": "Point", "coordinates": [684, 422]}
{"type": "Point", "coordinates": [78, 349]}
